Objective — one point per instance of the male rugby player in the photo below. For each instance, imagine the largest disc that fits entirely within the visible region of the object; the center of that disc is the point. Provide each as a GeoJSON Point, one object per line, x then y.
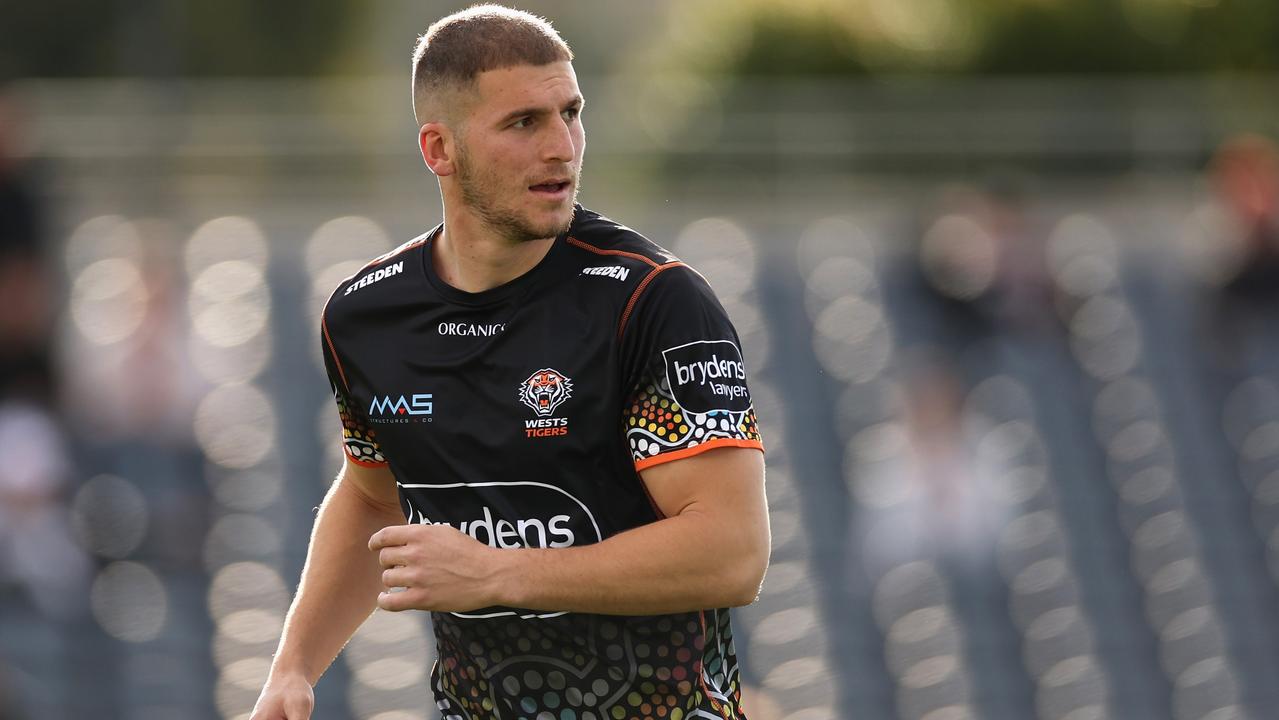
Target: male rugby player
{"type": "Point", "coordinates": [550, 444]}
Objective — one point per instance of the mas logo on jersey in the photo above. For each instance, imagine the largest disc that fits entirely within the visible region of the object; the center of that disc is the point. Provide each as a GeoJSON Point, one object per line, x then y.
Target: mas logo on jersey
{"type": "Point", "coordinates": [542, 392]}
{"type": "Point", "coordinates": [403, 409]}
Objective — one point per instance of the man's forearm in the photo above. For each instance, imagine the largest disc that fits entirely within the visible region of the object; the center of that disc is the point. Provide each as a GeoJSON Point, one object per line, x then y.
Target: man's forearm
{"type": "Point", "coordinates": [709, 551]}
{"type": "Point", "coordinates": [678, 564]}
{"type": "Point", "coordinates": [340, 582]}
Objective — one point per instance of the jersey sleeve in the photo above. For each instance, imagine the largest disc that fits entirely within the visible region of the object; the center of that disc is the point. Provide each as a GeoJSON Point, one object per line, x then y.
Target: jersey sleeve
{"type": "Point", "coordinates": [358, 441]}
{"type": "Point", "coordinates": [684, 367]}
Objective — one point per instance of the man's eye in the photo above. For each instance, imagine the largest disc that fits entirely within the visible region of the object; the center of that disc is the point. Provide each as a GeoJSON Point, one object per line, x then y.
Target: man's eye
{"type": "Point", "coordinates": [572, 113]}
{"type": "Point", "coordinates": [522, 122]}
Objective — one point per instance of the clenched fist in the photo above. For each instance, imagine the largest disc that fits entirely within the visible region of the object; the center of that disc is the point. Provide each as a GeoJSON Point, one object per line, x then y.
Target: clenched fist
{"type": "Point", "coordinates": [439, 568]}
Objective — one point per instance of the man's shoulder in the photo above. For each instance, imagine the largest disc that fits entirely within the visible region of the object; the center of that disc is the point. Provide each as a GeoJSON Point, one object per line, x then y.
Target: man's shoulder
{"type": "Point", "coordinates": [649, 272]}
{"type": "Point", "coordinates": [595, 234]}
{"type": "Point", "coordinates": [372, 283]}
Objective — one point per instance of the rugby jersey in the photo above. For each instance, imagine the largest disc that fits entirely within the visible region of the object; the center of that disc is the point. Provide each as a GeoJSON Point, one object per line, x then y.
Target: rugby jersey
{"type": "Point", "coordinates": [522, 416]}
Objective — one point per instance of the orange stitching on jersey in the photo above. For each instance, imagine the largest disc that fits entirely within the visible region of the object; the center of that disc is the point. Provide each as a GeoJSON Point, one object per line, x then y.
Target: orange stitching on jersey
{"type": "Point", "coordinates": [401, 249]}
{"type": "Point", "coordinates": [363, 463]}
{"type": "Point", "coordinates": [626, 314]}
{"type": "Point", "coordinates": [323, 315]}
{"type": "Point", "coordinates": [648, 462]}
{"type": "Point", "coordinates": [324, 328]}
{"type": "Point", "coordinates": [601, 251]}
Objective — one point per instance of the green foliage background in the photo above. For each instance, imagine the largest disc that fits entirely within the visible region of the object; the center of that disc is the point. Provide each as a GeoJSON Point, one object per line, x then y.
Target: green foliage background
{"type": "Point", "coordinates": [166, 38]}
{"type": "Point", "coordinates": [95, 38]}
{"type": "Point", "coordinates": [856, 37]}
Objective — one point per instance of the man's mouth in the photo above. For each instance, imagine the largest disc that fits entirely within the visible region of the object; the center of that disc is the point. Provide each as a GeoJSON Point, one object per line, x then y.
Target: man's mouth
{"type": "Point", "coordinates": [554, 187]}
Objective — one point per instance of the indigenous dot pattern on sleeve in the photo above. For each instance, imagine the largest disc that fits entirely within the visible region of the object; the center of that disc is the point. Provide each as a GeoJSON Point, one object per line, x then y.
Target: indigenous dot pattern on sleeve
{"type": "Point", "coordinates": [359, 442]}
{"type": "Point", "coordinates": [656, 424]}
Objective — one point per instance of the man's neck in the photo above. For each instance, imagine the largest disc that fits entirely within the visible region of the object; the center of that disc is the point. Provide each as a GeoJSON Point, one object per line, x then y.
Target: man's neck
{"type": "Point", "coordinates": [470, 256]}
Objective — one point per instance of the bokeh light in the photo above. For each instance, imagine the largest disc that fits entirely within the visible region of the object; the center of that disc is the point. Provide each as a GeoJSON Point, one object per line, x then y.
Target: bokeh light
{"type": "Point", "coordinates": [345, 239]}
{"type": "Point", "coordinates": [130, 602]}
{"type": "Point", "coordinates": [238, 536]}
{"type": "Point", "coordinates": [721, 251]}
{"type": "Point", "coordinates": [100, 238]}
{"type": "Point", "coordinates": [108, 300]}
{"type": "Point", "coordinates": [959, 257]}
{"type": "Point", "coordinates": [389, 656]}
{"type": "Point", "coordinates": [248, 491]}
{"type": "Point", "coordinates": [229, 303]}
{"type": "Point", "coordinates": [235, 425]}
{"type": "Point", "coordinates": [246, 586]}
{"type": "Point", "coordinates": [110, 516]}
{"type": "Point", "coordinates": [1083, 256]}
{"type": "Point", "coordinates": [223, 239]}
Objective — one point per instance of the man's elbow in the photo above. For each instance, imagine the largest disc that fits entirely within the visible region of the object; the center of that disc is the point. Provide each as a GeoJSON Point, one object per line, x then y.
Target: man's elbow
{"type": "Point", "coordinates": [746, 593]}
{"type": "Point", "coordinates": [749, 576]}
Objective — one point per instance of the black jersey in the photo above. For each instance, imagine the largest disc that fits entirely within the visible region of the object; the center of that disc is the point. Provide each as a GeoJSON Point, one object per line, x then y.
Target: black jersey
{"type": "Point", "coordinates": [521, 416]}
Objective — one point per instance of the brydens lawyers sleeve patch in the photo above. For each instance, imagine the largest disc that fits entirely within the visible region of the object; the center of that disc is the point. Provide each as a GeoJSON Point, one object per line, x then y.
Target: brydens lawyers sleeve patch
{"type": "Point", "coordinates": [706, 376]}
{"type": "Point", "coordinates": [691, 393]}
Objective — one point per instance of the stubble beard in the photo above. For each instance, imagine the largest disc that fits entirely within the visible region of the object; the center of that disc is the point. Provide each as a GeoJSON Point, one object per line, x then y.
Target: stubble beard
{"type": "Point", "coordinates": [480, 193]}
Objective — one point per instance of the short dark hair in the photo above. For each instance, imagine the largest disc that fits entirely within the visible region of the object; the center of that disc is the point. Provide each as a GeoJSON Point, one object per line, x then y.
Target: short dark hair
{"type": "Point", "coordinates": [457, 48]}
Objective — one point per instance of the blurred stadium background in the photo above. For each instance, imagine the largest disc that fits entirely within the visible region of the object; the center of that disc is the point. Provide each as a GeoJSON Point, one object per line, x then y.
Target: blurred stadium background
{"type": "Point", "coordinates": [1006, 275]}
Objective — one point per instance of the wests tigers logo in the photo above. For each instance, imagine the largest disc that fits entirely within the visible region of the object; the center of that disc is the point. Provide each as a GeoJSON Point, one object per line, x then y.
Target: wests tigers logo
{"type": "Point", "coordinates": [544, 390]}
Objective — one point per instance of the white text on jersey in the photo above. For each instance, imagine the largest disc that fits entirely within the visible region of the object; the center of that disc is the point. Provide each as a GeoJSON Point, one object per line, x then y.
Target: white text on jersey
{"type": "Point", "coordinates": [471, 329]}
{"type": "Point", "coordinates": [500, 533]}
{"type": "Point", "coordinates": [379, 274]}
{"type": "Point", "coordinates": [613, 271]}
{"type": "Point", "coordinates": [419, 404]}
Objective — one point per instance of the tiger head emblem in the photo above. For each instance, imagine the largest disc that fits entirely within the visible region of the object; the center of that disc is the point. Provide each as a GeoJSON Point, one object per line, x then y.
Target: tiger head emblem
{"type": "Point", "coordinates": [544, 390]}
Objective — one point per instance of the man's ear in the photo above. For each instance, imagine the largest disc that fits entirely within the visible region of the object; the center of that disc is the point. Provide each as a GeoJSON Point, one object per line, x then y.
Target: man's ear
{"type": "Point", "coordinates": [435, 140]}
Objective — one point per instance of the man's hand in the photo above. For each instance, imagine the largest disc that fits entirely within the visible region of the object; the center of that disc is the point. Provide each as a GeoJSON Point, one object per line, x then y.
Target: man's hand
{"type": "Point", "coordinates": [440, 569]}
{"type": "Point", "coordinates": [285, 698]}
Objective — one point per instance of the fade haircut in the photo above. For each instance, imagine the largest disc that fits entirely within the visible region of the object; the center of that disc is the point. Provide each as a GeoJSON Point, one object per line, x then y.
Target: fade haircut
{"type": "Point", "coordinates": [457, 48]}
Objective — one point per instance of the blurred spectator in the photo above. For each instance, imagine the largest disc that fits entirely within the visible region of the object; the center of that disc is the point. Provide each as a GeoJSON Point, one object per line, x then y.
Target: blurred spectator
{"type": "Point", "coordinates": [26, 297]}
{"type": "Point", "coordinates": [44, 575]}
{"type": "Point", "coordinates": [1245, 173]}
{"type": "Point", "coordinates": [135, 384]}
{"type": "Point", "coordinates": [1234, 248]}
{"type": "Point", "coordinates": [37, 553]}
{"type": "Point", "coordinates": [127, 373]}
{"type": "Point", "coordinates": [933, 499]}
{"type": "Point", "coordinates": [983, 262]}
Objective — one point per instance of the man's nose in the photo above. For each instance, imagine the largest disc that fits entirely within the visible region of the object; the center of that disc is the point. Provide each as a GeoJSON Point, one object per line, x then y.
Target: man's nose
{"type": "Point", "coordinates": [558, 146]}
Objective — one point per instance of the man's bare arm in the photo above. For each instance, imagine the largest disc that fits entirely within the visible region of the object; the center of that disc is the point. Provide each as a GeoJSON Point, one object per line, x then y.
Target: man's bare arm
{"type": "Point", "coordinates": [339, 588]}
{"type": "Point", "coordinates": [710, 550]}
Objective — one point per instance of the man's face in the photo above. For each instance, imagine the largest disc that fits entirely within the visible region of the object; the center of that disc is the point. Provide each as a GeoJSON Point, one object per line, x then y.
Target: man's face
{"type": "Point", "coordinates": [519, 154]}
